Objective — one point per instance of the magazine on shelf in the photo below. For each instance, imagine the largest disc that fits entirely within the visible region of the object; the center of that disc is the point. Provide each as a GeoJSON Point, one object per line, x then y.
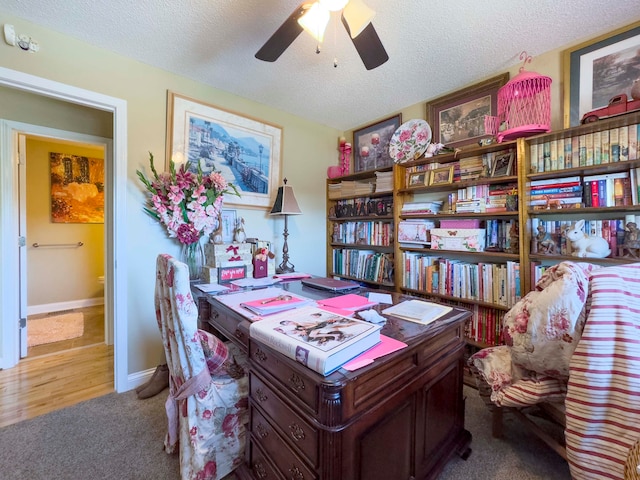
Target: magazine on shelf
{"type": "Point", "coordinates": [320, 340]}
{"type": "Point", "coordinates": [418, 311]}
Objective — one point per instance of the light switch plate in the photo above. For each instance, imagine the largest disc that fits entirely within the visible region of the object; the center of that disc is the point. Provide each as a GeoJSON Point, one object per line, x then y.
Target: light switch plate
{"type": "Point", "coordinates": [9, 35]}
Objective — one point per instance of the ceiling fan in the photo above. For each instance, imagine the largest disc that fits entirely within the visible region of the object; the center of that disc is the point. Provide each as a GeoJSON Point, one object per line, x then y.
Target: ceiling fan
{"type": "Point", "coordinates": [313, 17]}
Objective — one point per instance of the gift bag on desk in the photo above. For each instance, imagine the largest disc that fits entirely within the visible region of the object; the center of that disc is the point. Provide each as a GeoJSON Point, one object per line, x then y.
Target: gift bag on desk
{"type": "Point", "coordinates": [260, 262]}
{"type": "Point", "coordinates": [259, 268]}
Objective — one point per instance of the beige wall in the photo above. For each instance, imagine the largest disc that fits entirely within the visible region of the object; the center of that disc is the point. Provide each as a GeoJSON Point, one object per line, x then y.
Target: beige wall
{"type": "Point", "coordinates": [59, 274]}
{"type": "Point", "coordinates": [308, 148]}
{"type": "Point", "coordinates": [549, 64]}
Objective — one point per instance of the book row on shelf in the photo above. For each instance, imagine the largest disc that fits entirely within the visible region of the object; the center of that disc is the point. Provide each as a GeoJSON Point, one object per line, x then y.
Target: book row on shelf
{"type": "Point", "coordinates": [488, 164]}
{"type": "Point", "coordinates": [363, 264]}
{"type": "Point", "coordinates": [549, 239]}
{"type": "Point", "coordinates": [617, 144]}
{"type": "Point", "coordinates": [497, 283]}
{"type": "Point", "coordinates": [614, 189]}
{"type": "Point", "coordinates": [378, 233]}
{"type": "Point", "coordinates": [345, 188]}
{"type": "Point", "coordinates": [485, 326]}
{"type": "Point", "coordinates": [362, 207]}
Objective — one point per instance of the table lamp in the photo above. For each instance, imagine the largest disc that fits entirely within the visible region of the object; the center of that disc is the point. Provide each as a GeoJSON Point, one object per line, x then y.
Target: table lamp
{"type": "Point", "coordinates": [286, 205]}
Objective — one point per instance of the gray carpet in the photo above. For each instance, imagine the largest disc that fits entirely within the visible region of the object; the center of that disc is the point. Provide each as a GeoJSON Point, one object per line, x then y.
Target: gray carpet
{"type": "Point", "coordinates": [120, 437]}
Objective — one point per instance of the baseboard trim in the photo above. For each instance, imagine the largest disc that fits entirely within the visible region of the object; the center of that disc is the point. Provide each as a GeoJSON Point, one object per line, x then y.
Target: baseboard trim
{"type": "Point", "coordinates": [56, 307]}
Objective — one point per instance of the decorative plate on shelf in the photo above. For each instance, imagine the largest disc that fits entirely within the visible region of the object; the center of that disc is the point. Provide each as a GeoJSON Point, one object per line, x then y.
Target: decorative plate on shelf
{"type": "Point", "coordinates": [410, 141]}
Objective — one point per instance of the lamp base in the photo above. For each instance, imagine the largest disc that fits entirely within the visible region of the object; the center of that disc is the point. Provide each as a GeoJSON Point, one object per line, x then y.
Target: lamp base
{"type": "Point", "coordinates": [285, 268]}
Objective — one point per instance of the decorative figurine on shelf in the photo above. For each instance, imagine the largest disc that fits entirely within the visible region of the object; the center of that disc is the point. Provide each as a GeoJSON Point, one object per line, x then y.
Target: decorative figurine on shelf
{"type": "Point", "coordinates": [216, 236]}
{"type": "Point", "coordinates": [544, 241]}
{"type": "Point", "coordinates": [552, 203]}
{"type": "Point", "coordinates": [239, 236]}
{"type": "Point", "coordinates": [514, 239]}
{"type": "Point", "coordinates": [631, 242]}
{"type": "Point", "coordinates": [345, 157]}
{"type": "Point", "coordinates": [584, 245]}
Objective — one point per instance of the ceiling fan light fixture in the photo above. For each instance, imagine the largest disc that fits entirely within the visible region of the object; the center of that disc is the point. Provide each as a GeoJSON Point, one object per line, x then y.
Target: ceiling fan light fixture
{"type": "Point", "coordinates": [315, 21]}
{"type": "Point", "coordinates": [333, 5]}
{"type": "Point", "coordinates": [358, 16]}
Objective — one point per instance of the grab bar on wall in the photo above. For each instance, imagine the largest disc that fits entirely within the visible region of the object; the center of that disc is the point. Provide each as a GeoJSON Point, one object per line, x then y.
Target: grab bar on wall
{"type": "Point", "coordinates": [38, 245]}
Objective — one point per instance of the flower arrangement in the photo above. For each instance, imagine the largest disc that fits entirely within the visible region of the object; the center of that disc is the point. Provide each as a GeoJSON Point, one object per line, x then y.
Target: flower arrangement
{"type": "Point", "coordinates": [188, 204]}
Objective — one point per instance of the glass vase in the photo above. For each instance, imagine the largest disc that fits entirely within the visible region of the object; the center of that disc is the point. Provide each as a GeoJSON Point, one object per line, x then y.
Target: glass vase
{"type": "Point", "coordinates": [193, 255]}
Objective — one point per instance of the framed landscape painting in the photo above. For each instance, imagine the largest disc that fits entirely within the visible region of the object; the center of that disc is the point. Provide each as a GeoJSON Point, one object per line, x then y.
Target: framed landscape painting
{"type": "Point", "coordinates": [457, 119]}
{"type": "Point", "coordinates": [599, 69]}
{"type": "Point", "coordinates": [245, 150]}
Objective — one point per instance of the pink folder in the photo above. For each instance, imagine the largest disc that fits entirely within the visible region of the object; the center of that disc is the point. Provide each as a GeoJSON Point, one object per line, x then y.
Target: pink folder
{"type": "Point", "coordinates": [386, 346]}
{"type": "Point", "coordinates": [350, 301]}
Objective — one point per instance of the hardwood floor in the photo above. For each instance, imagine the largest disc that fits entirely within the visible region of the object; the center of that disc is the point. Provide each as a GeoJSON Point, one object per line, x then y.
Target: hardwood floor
{"type": "Point", "coordinates": [60, 374]}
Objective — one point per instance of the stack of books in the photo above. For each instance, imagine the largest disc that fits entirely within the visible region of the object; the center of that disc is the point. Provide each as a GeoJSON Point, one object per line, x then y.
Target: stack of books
{"type": "Point", "coordinates": [471, 168]}
{"type": "Point", "coordinates": [384, 181]}
{"type": "Point", "coordinates": [564, 192]}
{"type": "Point", "coordinates": [419, 208]}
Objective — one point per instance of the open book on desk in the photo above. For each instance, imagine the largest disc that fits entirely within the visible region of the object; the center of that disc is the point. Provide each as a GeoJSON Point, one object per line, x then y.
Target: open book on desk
{"type": "Point", "coordinates": [321, 340]}
{"type": "Point", "coordinates": [418, 311]}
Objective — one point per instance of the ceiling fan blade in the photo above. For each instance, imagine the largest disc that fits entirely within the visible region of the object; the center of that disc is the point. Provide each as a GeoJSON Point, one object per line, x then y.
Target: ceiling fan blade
{"type": "Point", "coordinates": [369, 46]}
{"type": "Point", "coordinates": [283, 37]}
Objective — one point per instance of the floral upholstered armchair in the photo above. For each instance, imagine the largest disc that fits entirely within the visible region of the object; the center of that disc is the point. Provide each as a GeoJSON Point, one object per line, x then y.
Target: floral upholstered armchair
{"type": "Point", "coordinates": [574, 343]}
{"type": "Point", "coordinates": [208, 384]}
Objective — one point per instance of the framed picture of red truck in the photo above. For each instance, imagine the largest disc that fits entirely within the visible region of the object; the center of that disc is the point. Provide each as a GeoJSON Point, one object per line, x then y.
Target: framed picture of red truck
{"type": "Point", "coordinates": [597, 71]}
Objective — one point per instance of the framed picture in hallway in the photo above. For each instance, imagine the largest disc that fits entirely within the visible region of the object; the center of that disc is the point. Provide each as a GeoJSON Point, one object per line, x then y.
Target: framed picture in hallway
{"type": "Point", "coordinates": [77, 188]}
{"type": "Point", "coordinates": [247, 151]}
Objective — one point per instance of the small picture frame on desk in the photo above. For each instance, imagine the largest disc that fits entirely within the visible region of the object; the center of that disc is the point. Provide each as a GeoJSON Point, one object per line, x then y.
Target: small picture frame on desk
{"type": "Point", "coordinates": [502, 165]}
{"type": "Point", "coordinates": [419, 179]}
{"type": "Point", "coordinates": [441, 176]}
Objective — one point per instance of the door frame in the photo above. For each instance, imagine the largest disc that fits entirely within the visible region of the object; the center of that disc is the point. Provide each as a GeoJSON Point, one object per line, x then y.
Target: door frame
{"type": "Point", "coordinates": [22, 133]}
{"type": "Point", "coordinates": [115, 232]}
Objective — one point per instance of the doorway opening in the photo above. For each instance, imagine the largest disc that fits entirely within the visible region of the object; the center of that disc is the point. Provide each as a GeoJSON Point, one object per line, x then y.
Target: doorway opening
{"type": "Point", "coordinates": [63, 223]}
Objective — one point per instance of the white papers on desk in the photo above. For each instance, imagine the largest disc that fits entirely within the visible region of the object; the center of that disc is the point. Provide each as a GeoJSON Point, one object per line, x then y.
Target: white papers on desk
{"type": "Point", "coordinates": [418, 311]}
{"type": "Point", "coordinates": [211, 287]}
{"type": "Point", "coordinates": [255, 282]}
{"type": "Point", "coordinates": [380, 297]}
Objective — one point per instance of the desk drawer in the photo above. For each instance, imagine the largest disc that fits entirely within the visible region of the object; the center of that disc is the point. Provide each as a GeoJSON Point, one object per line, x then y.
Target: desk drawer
{"type": "Point", "coordinates": [301, 386]}
{"type": "Point", "coordinates": [296, 429]}
{"type": "Point", "coordinates": [229, 326]}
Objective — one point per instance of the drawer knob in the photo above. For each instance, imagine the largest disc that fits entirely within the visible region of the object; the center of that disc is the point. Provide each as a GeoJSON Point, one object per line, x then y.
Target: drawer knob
{"type": "Point", "coordinates": [214, 315]}
{"type": "Point", "coordinates": [260, 355]}
{"type": "Point", "coordinates": [296, 383]}
{"type": "Point", "coordinates": [262, 431]}
{"type": "Point", "coordinates": [261, 395]}
{"type": "Point", "coordinates": [296, 432]}
{"type": "Point", "coordinates": [259, 470]}
{"type": "Point", "coordinates": [239, 334]}
{"type": "Point", "coordinates": [296, 474]}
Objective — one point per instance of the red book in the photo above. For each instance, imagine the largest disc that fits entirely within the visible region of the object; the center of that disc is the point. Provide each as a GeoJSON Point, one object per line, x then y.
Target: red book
{"type": "Point", "coordinates": [595, 201]}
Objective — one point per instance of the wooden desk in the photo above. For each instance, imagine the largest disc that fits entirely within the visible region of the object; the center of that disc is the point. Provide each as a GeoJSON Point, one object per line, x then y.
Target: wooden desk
{"type": "Point", "coordinates": [400, 418]}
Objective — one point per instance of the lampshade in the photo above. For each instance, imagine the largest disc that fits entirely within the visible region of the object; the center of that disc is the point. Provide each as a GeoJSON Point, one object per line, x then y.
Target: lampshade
{"type": "Point", "coordinates": [358, 16]}
{"type": "Point", "coordinates": [315, 21]}
{"type": "Point", "coordinates": [285, 203]}
{"type": "Point", "coordinates": [333, 5]}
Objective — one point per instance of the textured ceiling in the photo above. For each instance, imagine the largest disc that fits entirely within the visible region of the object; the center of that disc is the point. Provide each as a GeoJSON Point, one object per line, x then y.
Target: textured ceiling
{"type": "Point", "coordinates": [435, 46]}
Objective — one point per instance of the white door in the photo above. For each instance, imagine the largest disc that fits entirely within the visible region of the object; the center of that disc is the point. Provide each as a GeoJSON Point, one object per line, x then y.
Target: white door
{"type": "Point", "coordinates": [22, 236]}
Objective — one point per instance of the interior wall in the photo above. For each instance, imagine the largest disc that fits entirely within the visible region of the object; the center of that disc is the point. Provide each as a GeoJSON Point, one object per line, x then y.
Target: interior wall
{"type": "Point", "coordinates": [549, 64]}
{"type": "Point", "coordinates": [308, 148]}
{"type": "Point", "coordinates": [59, 274]}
